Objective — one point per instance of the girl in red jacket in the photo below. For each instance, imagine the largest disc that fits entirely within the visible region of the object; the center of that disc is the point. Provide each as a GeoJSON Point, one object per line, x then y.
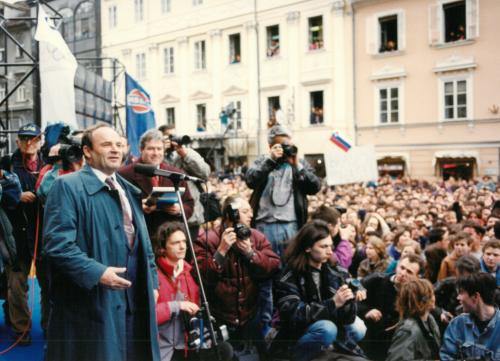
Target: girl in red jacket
{"type": "Point", "coordinates": [179, 293]}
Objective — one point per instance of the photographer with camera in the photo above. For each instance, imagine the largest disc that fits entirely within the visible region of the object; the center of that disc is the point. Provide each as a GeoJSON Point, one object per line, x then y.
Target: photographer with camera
{"type": "Point", "coordinates": [234, 259]}
{"type": "Point", "coordinates": [316, 302]}
{"type": "Point", "coordinates": [179, 296]}
{"type": "Point", "coordinates": [280, 183]}
{"type": "Point", "coordinates": [192, 163]}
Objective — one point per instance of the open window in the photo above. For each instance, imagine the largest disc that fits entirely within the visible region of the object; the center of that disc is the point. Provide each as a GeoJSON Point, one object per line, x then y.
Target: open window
{"type": "Point", "coordinates": [316, 115]}
{"type": "Point", "coordinates": [234, 49]}
{"type": "Point", "coordinates": [273, 107]}
{"type": "Point", "coordinates": [388, 33]}
{"type": "Point", "coordinates": [316, 33]}
{"type": "Point", "coordinates": [201, 117]}
{"type": "Point", "coordinates": [273, 40]}
{"type": "Point", "coordinates": [454, 21]}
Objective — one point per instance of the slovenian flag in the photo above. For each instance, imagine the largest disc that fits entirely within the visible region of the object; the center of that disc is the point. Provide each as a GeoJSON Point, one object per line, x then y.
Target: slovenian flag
{"type": "Point", "coordinates": [340, 142]}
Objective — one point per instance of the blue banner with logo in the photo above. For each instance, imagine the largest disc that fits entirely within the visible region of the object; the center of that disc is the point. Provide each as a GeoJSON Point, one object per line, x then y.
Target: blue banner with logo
{"type": "Point", "coordinates": [140, 114]}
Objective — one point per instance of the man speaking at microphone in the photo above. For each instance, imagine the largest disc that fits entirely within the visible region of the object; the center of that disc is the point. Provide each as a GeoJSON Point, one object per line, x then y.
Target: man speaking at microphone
{"type": "Point", "coordinates": [103, 280]}
{"type": "Point", "coordinates": [152, 152]}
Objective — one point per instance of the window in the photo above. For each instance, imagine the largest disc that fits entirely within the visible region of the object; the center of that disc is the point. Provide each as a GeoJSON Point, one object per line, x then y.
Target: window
{"type": "Point", "coordinates": [235, 122]}
{"type": "Point", "coordinates": [316, 33]}
{"type": "Point", "coordinates": [316, 116]}
{"type": "Point", "coordinates": [200, 55]}
{"type": "Point", "coordinates": [197, 2]}
{"type": "Point", "coordinates": [112, 19]}
{"type": "Point", "coordinates": [66, 26]}
{"type": "Point", "coordinates": [21, 93]}
{"type": "Point", "coordinates": [388, 33]}
{"type": "Point", "coordinates": [455, 99]}
{"type": "Point", "coordinates": [171, 116]}
{"type": "Point", "coordinates": [273, 40]}
{"type": "Point", "coordinates": [140, 65]}
{"type": "Point", "coordinates": [168, 60]}
{"type": "Point", "coordinates": [85, 20]}
{"type": "Point", "coordinates": [454, 21]}
{"type": "Point", "coordinates": [19, 50]}
{"type": "Point", "coordinates": [139, 10]}
{"type": "Point", "coordinates": [166, 6]}
{"type": "Point", "coordinates": [273, 105]}
{"type": "Point", "coordinates": [388, 105]}
{"type": "Point", "coordinates": [201, 117]}
{"type": "Point", "coordinates": [234, 49]}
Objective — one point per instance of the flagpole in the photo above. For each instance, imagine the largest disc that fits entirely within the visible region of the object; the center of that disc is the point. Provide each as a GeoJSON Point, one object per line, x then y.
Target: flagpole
{"type": "Point", "coordinates": [37, 101]}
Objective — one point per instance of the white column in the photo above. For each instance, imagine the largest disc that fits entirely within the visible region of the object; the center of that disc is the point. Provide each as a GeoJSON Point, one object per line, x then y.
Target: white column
{"type": "Point", "coordinates": [216, 69]}
{"type": "Point", "coordinates": [153, 73]}
{"type": "Point", "coordinates": [289, 102]}
{"type": "Point", "coordinates": [184, 122]}
{"type": "Point", "coordinates": [253, 89]}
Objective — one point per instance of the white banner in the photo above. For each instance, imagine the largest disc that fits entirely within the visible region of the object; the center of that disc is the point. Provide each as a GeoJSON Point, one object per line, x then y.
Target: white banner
{"type": "Point", "coordinates": [359, 164]}
{"type": "Point", "coordinates": [57, 75]}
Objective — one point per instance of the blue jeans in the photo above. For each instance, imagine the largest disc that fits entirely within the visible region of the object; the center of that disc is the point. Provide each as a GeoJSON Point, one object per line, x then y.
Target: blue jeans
{"type": "Point", "coordinates": [321, 335]}
{"type": "Point", "coordinates": [278, 234]}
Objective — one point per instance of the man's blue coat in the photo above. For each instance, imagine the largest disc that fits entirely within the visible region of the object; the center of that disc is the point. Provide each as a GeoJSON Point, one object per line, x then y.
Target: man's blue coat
{"type": "Point", "coordinates": [83, 234]}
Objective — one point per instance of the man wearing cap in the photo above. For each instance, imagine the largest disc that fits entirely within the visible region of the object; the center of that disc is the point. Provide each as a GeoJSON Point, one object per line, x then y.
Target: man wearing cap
{"type": "Point", "coordinates": [26, 163]}
{"type": "Point", "coordinates": [280, 183]}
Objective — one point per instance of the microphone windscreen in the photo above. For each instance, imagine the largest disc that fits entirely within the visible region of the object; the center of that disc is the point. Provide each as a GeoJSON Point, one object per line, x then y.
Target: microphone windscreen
{"type": "Point", "coordinates": [225, 351]}
{"type": "Point", "coordinates": [146, 169]}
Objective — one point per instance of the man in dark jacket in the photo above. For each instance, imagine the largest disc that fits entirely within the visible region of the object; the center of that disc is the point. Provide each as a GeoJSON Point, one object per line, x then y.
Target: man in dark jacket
{"type": "Point", "coordinates": [26, 163]}
{"type": "Point", "coordinates": [280, 183]}
{"type": "Point", "coordinates": [152, 153]}
{"type": "Point", "coordinates": [317, 308]}
{"type": "Point", "coordinates": [234, 263]}
{"type": "Point", "coordinates": [379, 308]}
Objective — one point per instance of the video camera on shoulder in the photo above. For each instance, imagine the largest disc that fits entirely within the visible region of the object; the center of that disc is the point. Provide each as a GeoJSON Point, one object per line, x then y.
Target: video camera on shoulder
{"type": "Point", "coordinates": [70, 150]}
{"type": "Point", "coordinates": [233, 214]}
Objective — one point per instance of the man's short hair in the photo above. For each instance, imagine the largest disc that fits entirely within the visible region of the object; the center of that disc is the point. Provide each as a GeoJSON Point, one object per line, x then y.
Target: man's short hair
{"type": "Point", "coordinates": [148, 136]}
{"type": "Point", "coordinates": [460, 236]}
{"type": "Point", "coordinates": [468, 263]}
{"type": "Point", "coordinates": [275, 131]}
{"type": "Point", "coordinates": [494, 243]}
{"type": "Point", "coordinates": [328, 214]}
{"type": "Point", "coordinates": [436, 235]}
{"type": "Point", "coordinates": [474, 225]}
{"type": "Point", "coordinates": [496, 229]}
{"type": "Point", "coordinates": [88, 133]}
{"type": "Point", "coordinates": [166, 127]}
{"type": "Point", "coordinates": [414, 258]}
{"type": "Point", "coordinates": [480, 282]}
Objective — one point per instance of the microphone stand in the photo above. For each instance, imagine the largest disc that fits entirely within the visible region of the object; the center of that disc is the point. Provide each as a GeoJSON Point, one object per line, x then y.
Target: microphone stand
{"type": "Point", "coordinates": [176, 179]}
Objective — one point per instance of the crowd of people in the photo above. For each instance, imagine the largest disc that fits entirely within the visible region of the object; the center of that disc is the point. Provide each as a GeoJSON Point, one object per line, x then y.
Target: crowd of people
{"type": "Point", "coordinates": [289, 267]}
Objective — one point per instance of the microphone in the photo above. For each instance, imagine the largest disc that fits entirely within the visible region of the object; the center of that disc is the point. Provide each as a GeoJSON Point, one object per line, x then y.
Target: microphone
{"type": "Point", "coordinates": [152, 170]}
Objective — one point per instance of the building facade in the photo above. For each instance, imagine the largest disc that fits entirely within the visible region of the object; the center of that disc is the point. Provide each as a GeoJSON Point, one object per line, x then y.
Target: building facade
{"type": "Point", "coordinates": [263, 62]}
{"type": "Point", "coordinates": [426, 85]}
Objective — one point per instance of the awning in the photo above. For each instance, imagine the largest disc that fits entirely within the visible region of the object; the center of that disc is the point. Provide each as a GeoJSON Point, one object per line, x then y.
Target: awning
{"type": "Point", "coordinates": [455, 154]}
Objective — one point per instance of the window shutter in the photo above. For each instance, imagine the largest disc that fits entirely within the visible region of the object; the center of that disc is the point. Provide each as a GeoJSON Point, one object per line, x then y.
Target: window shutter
{"type": "Point", "coordinates": [472, 8]}
{"type": "Point", "coordinates": [371, 35]}
{"type": "Point", "coordinates": [435, 24]}
{"type": "Point", "coordinates": [401, 30]}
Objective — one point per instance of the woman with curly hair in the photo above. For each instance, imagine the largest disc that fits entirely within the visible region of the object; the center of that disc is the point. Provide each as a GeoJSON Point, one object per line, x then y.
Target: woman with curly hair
{"type": "Point", "coordinates": [417, 333]}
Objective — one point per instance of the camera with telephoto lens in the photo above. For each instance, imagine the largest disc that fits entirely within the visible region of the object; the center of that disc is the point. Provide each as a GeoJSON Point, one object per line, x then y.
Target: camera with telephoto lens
{"type": "Point", "coordinates": [198, 339]}
{"type": "Point", "coordinates": [71, 146]}
{"type": "Point", "coordinates": [180, 140]}
{"type": "Point", "coordinates": [242, 231]}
